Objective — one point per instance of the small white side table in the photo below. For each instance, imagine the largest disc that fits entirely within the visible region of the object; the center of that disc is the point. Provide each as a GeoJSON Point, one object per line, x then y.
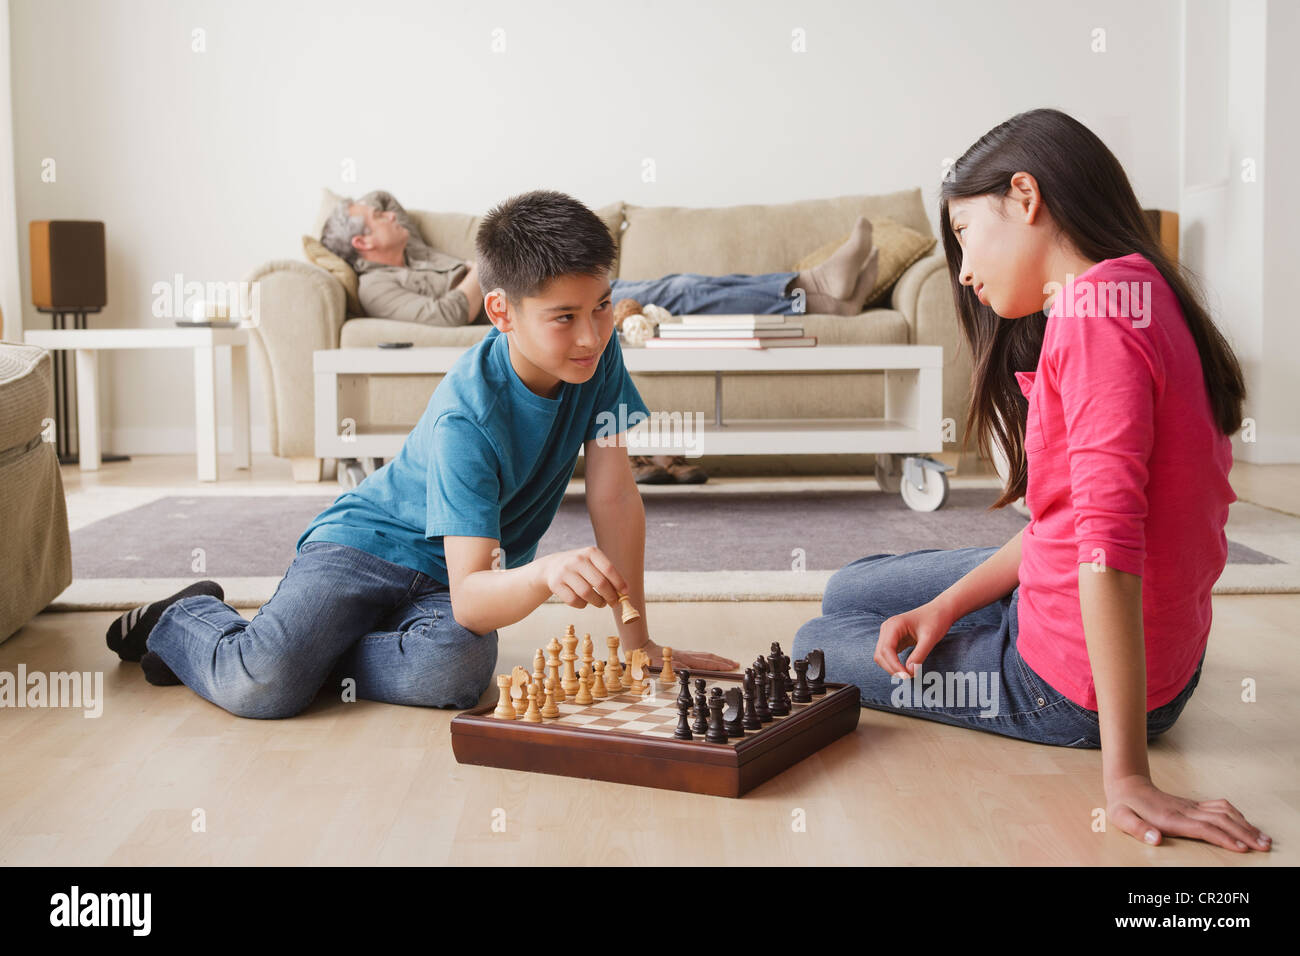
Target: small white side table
{"type": "Point", "coordinates": [204, 342]}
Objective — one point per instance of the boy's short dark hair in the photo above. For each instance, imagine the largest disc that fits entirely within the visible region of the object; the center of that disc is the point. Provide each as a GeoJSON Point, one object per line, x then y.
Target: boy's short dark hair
{"type": "Point", "coordinates": [529, 239]}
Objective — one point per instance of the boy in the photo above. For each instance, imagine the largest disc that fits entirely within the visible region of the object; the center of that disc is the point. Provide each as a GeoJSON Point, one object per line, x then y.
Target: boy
{"type": "Point", "coordinates": [401, 584]}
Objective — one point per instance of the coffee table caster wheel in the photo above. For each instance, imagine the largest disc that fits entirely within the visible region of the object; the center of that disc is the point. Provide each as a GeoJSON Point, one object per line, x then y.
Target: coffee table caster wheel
{"type": "Point", "coordinates": [925, 483]}
{"type": "Point", "coordinates": [889, 473]}
{"type": "Point", "coordinates": [350, 473]}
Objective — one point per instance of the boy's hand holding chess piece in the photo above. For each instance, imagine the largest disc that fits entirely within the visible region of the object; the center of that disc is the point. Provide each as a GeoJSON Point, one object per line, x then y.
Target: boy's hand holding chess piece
{"type": "Point", "coordinates": [586, 576]}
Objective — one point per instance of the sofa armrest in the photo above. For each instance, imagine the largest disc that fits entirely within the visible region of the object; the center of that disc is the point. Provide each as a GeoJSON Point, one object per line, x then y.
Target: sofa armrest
{"type": "Point", "coordinates": [300, 310]}
{"type": "Point", "coordinates": [923, 295]}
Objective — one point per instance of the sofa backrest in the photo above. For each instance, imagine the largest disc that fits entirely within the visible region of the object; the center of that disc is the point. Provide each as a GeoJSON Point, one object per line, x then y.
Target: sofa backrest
{"type": "Point", "coordinates": [454, 232]}
{"type": "Point", "coordinates": [659, 240]}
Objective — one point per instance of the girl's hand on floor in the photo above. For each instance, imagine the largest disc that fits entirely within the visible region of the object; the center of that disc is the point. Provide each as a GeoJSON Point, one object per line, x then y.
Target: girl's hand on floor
{"type": "Point", "coordinates": [691, 660]}
{"type": "Point", "coordinates": [923, 627]}
{"type": "Point", "coordinates": [1139, 807]}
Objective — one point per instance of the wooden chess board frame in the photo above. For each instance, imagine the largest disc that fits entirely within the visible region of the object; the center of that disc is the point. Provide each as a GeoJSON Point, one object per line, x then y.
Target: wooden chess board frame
{"type": "Point", "coordinates": [619, 756]}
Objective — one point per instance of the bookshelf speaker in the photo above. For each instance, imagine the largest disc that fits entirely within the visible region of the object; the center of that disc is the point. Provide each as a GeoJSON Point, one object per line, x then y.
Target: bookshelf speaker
{"type": "Point", "coordinates": [68, 267]}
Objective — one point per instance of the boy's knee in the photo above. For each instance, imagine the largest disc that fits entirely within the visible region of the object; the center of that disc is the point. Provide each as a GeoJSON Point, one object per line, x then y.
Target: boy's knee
{"type": "Point", "coordinates": [264, 702]}
{"type": "Point", "coordinates": [461, 671]}
{"type": "Point", "coordinates": [274, 697]}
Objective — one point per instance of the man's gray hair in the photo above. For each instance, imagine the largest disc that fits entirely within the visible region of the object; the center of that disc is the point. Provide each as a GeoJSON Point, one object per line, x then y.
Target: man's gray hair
{"type": "Point", "coordinates": [339, 229]}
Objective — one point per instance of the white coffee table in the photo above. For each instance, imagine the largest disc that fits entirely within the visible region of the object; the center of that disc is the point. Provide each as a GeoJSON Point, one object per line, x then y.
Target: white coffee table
{"type": "Point", "coordinates": [910, 429]}
{"type": "Point", "coordinates": [204, 342]}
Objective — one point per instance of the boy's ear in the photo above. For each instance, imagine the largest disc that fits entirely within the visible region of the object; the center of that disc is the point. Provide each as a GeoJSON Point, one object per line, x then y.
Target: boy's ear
{"type": "Point", "coordinates": [497, 307]}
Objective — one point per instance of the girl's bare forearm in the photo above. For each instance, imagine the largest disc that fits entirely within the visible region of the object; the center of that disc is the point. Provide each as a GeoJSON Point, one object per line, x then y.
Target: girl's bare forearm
{"type": "Point", "coordinates": [992, 580]}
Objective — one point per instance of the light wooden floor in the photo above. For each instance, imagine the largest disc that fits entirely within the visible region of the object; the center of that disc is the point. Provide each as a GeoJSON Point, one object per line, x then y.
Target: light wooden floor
{"type": "Point", "coordinates": [369, 783]}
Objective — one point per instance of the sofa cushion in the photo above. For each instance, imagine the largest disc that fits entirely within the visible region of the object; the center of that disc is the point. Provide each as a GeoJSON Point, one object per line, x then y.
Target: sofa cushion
{"type": "Point", "coordinates": [368, 333]}
{"type": "Point", "coordinates": [318, 255]}
{"type": "Point", "coordinates": [899, 247]}
{"type": "Point", "coordinates": [659, 240]}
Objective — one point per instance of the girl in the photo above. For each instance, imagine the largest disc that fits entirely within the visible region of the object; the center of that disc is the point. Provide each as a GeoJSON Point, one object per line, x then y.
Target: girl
{"type": "Point", "coordinates": [1112, 396]}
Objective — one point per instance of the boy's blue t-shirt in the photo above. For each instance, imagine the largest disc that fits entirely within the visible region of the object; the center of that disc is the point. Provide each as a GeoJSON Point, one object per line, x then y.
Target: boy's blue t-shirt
{"type": "Point", "coordinates": [489, 458]}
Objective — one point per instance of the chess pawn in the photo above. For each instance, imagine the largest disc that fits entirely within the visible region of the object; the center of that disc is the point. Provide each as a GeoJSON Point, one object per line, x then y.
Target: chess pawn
{"type": "Point", "coordinates": [667, 676]}
{"type": "Point", "coordinates": [584, 688]}
{"type": "Point", "coordinates": [629, 612]}
{"type": "Point", "coordinates": [613, 673]}
{"type": "Point", "coordinates": [598, 682]}
{"type": "Point", "coordinates": [549, 709]}
{"type": "Point", "coordinates": [505, 709]}
{"type": "Point", "coordinates": [533, 715]}
{"type": "Point", "coordinates": [701, 724]}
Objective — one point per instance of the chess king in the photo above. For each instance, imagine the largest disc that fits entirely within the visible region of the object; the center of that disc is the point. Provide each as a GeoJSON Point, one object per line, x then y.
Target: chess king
{"type": "Point", "coordinates": [441, 542]}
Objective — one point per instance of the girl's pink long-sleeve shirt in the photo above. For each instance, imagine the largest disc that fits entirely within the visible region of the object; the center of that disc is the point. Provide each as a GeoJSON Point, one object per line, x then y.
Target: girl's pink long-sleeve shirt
{"type": "Point", "coordinates": [1127, 471]}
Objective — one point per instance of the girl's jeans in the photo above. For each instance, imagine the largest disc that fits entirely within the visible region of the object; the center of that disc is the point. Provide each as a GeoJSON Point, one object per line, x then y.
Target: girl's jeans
{"type": "Point", "coordinates": [338, 614]}
{"type": "Point", "coordinates": [689, 293]}
{"type": "Point", "coordinates": [986, 684]}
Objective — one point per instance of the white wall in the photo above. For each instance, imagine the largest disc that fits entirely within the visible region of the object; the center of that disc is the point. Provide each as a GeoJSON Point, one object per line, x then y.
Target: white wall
{"type": "Point", "coordinates": [209, 163]}
{"type": "Point", "coordinates": [1237, 220]}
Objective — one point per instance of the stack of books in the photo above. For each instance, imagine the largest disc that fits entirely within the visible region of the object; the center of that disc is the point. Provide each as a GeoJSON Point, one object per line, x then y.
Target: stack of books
{"type": "Point", "coordinates": [730, 332]}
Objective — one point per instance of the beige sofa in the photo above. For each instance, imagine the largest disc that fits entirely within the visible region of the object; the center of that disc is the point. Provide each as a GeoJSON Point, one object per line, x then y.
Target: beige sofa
{"type": "Point", "coordinates": [35, 550]}
{"type": "Point", "coordinates": [302, 309]}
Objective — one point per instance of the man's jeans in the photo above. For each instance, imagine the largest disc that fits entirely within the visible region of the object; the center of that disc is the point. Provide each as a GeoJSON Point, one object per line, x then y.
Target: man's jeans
{"type": "Point", "coordinates": [688, 293]}
{"type": "Point", "coordinates": [338, 613]}
{"type": "Point", "coordinates": [977, 659]}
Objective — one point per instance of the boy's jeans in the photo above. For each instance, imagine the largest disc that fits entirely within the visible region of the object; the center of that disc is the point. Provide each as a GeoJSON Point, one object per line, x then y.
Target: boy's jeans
{"type": "Point", "coordinates": [338, 613]}
{"type": "Point", "coordinates": [978, 654]}
{"type": "Point", "coordinates": [689, 293]}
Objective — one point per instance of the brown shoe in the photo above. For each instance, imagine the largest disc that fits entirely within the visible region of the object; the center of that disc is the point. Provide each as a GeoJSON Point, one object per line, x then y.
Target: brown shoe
{"type": "Point", "coordinates": [682, 473]}
{"type": "Point", "coordinates": [647, 472]}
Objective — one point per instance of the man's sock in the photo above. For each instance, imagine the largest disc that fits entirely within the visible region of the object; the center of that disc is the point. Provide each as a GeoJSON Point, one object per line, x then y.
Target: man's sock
{"type": "Point", "coordinates": [157, 672]}
{"type": "Point", "coordinates": [127, 634]}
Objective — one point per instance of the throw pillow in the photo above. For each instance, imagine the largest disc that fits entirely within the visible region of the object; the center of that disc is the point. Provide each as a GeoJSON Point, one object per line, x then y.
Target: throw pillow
{"type": "Point", "coordinates": [318, 255]}
{"type": "Point", "coordinates": [899, 247]}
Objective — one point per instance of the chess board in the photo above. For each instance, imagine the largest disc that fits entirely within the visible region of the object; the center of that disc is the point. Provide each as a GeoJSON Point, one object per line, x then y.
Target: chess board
{"type": "Point", "coordinates": [629, 739]}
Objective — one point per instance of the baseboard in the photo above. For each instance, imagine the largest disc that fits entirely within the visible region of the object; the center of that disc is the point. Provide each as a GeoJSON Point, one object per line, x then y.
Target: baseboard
{"type": "Point", "coordinates": [178, 441]}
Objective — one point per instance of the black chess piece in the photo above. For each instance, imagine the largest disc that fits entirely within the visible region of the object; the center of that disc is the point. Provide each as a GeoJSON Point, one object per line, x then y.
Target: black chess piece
{"type": "Point", "coordinates": [780, 702]}
{"type": "Point", "coordinates": [683, 731]}
{"type": "Point", "coordinates": [701, 724]}
{"type": "Point", "coordinates": [802, 692]}
{"type": "Point", "coordinates": [761, 708]}
{"type": "Point", "coordinates": [817, 671]}
{"type": "Point", "coordinates": [717, 731]}
{"type": "Point", "coordinates": [684, 688]}
{"type": "Point", "coordinates": [733, 712]}
{"type": "Point", "coordinates": [751, 721]}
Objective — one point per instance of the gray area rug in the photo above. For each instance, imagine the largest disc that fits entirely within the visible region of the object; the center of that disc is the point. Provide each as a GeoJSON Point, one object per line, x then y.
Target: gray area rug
{"type": "Point", "coordinates": [254, 536]}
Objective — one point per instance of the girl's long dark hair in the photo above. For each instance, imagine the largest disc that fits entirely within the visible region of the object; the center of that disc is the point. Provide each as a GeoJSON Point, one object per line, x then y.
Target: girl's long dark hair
{"type": "Point", "coordinates": [1085, 189]}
